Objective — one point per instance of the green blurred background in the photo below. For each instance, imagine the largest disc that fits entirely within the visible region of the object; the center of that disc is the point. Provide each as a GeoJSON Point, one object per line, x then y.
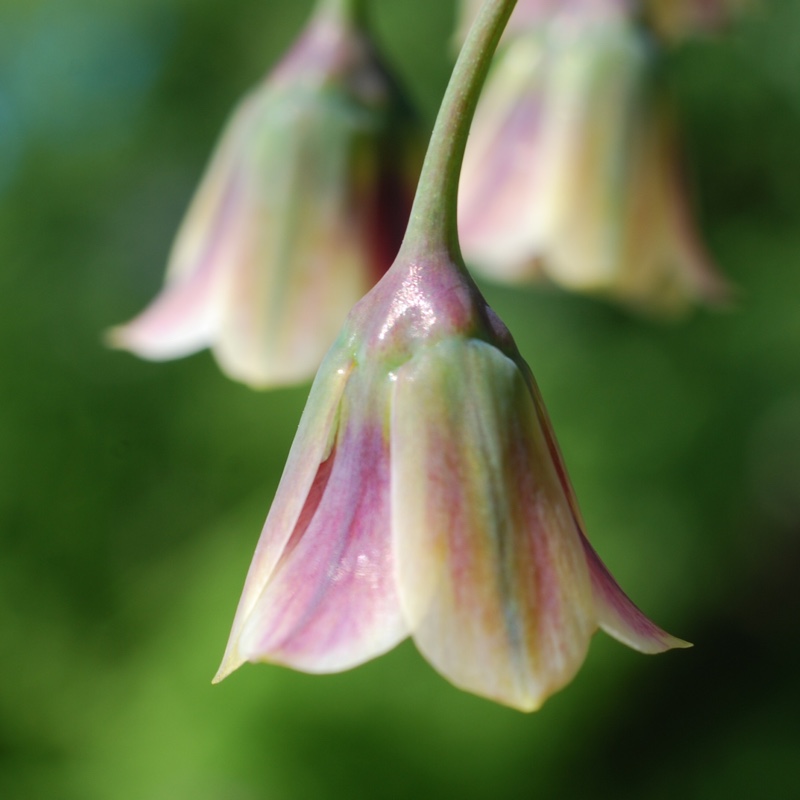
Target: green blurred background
{"type": "Point", "coordinates": [132, 494]}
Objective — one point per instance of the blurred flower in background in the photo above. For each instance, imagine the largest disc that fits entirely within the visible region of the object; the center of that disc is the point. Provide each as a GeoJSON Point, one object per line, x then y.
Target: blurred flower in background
{"type": "Point", "coordinates": [301, 210]}
{"type": "Point", "coordinates": [425, 496]}
{"type": "Point", "coordinates": [573, 169]}
{"type": "Point", "coordinates": [675, 19]}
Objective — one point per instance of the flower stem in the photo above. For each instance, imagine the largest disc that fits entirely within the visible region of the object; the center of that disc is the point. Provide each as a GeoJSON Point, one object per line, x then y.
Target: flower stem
{"type": "Point", "coordinates": [433, 225]}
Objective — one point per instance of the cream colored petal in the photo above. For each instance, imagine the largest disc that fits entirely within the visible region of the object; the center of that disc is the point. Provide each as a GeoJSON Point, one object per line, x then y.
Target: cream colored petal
{"type": "Point", "coordinates": [302, 261]}
{"type": "Point", "coordinates": [490, 566]}
{"type": "Point", "coordinates": [595, 88]}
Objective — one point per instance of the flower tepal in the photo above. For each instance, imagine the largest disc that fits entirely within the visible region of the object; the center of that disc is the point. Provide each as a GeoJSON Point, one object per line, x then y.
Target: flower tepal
{"type": "Point", "coordinates": [425, 496]}
{"type": "Point", "coordinates": [300, 212]}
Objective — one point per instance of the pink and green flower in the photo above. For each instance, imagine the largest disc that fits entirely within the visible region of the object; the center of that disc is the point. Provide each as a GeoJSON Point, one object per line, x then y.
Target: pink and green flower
{"type": "Point", "coordinates": [300, 212]}
{"type": "Point", "coordinates": [425, 495]}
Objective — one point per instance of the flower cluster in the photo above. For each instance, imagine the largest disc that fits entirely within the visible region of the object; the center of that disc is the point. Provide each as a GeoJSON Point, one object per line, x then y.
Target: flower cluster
{"type": "Point", "coordinates": [425, 495]}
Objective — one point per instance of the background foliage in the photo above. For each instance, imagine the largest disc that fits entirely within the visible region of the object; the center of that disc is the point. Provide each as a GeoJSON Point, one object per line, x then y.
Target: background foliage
{"type": "Point", "coordinates": [132, 494]}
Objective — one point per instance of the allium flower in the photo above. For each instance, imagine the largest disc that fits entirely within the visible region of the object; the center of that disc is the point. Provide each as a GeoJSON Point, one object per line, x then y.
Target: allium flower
{"type": "Point", "coordinates": [301, 211]}
{"type": "Point", "coordinates": [572, 170]}
{"type": "Point", "coordinates": [425, 496]}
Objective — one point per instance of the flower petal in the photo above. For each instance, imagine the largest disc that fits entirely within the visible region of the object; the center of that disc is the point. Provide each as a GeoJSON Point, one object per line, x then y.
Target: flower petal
{"type": "Point", "coordinates": [595, 99]}
{"type": "Point", "coordinates": [311, 449]}
{"type": "Point", "coordinates": [180, 321]}
{"type": "Point", "coordinates": [330, 602]}
{"type": "Point", "coordinates": [185, 316]}
{"type": "Point", "coordinates": [300, 261]}
{"type": "Point", "coordinates": [617, 615]}
{"type": "Point", "coordinates": [491, 570]}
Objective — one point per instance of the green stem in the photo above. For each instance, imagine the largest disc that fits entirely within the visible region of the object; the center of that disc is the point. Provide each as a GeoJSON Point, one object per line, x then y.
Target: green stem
{"type": "Point", "coordinates": [433, 225]}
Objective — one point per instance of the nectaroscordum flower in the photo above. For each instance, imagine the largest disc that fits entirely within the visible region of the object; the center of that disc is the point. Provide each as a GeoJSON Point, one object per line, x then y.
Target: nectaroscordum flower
{"type": "Point", "coordinates": [572, 169]}
{"type": "Point", "coordinates": [425, 495]}
{"type": "Point", "coordinates": [300, 212]}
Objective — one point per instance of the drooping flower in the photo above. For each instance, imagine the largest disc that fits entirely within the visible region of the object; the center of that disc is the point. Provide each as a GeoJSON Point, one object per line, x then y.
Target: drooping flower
{"type": "Point", "coordinates": [300, 212]}
{"type": "Point", "coordinates": [572, 170]}
{"type": "Point", "coordinates": [425, 494]}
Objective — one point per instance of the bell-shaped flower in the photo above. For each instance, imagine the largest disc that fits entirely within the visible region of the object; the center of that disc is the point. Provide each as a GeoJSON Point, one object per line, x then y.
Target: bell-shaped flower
{"type": "Point", "coordinates": [572, 170]}
{"type": "Point", "coordinates": [425, 496]}
{"type": "Point", "coordinates": [300, 212]}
